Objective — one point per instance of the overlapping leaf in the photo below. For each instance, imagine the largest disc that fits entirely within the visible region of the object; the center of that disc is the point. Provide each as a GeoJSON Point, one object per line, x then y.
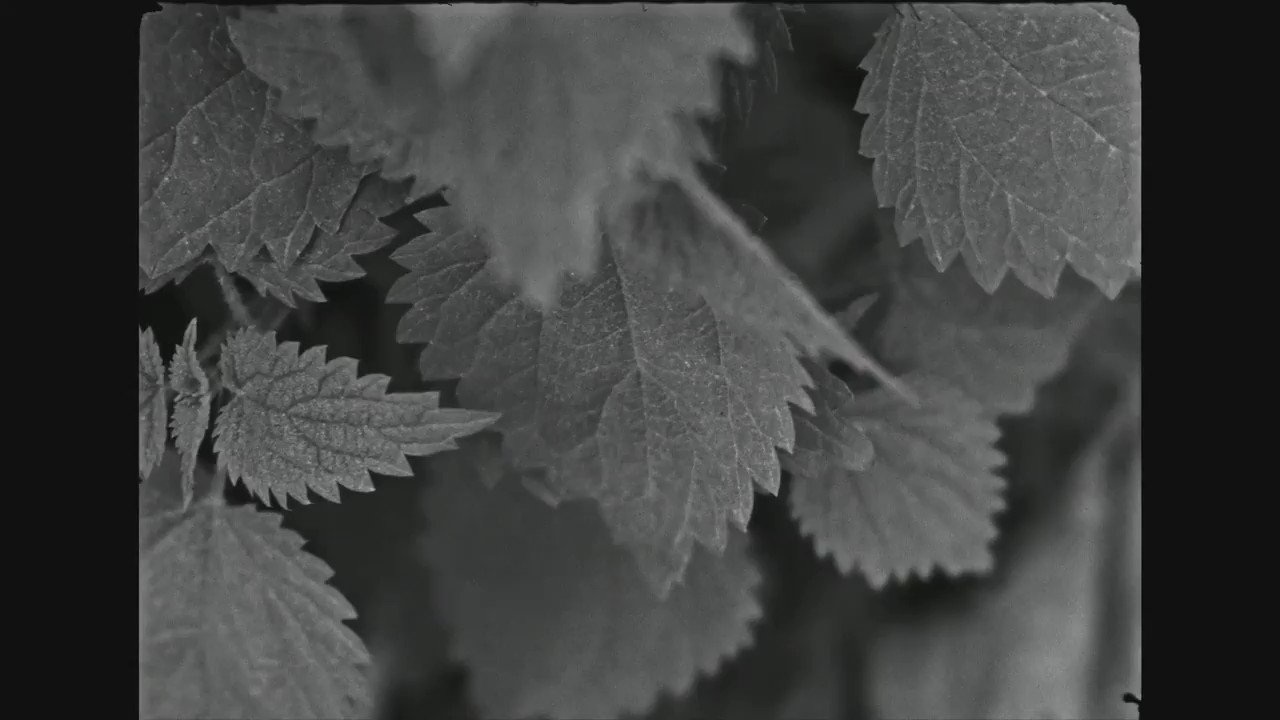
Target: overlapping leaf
{"type": "Point", "coordinates": [552, 619]}
{"type": "Point", "coordinates": [236, 621]}
{"type": "Point", "coordinates": [153, 406]}
{"type": "Point", "coordinates": [649, 399]}
{"type": "Point", "coordinates": [190, 386]}
{"type": "Point", "coordinates": [998, 348]}
{"type": "Point", "coordinates": [295, 422]}
{"type": "Point", "coordinates": [218, 167]}
{"type": "Point", "coordinates": [557, 105]}
{"type": "Point", "coordinates": [689, 238]}
{"type": "Point", "coordinates": [330, 257]}
{"type": "Point", "coordinates": [1010, 135]}
{"type": "Point", "coordinates": [895, 490]}
{"type": "Point", "coordinates": [1030, 641]}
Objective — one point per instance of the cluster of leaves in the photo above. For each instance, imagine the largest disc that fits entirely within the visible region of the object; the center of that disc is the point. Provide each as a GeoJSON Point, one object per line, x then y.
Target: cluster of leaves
{"type": "Point", "coordinates": [644, 363]}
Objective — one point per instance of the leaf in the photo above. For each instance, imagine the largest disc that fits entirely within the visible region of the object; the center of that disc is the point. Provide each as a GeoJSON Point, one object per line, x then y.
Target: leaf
{"type": "Point", "coordinates": [688, 237]}
{"type": "Point", "coordinates": [296, 422]}
{"type": "Point", "coordinates": [218, 166]}
{"type": "Point", "coordinates": [153, 409]}
{"type": "Point", "coordinates": [553, 619]}
{"type": "Point", "coordinates": [236, 620]}
{"type": "Point", "coordinates": [190, 406]}
{"type": "Point", "coordinates": [997, 348]}
{"type": "Point", "coordinates": [647, 399]}
{"type": "Point", "coordinates": [330, 256]}
{"type": "Point", "coordinates": [557, 105]}
{"type": "Point", "coordinates": [1010, 135]}
{"type": "Point", "coordinates": [894, 490]}
{"type": "Point", "coordinates": [1027, 642]}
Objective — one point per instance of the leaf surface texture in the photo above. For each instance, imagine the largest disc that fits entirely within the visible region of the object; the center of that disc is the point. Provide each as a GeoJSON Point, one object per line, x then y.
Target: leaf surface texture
{"type": "Point", "coordinates": [236, 620]}
{"type": "Point", "coordinates": [296, 422]}
{"type": "Point", "coordinates": [190, 387]}
{"type": "Point", "coordinates": [218, 166]}
{"type": "Point", "coordinates": [1010, 136]}
{"type": "Point", "coordinates": [153, 406]}
{"type": "Point", "coordinates": [894, 490]}
{"type": "Point", "coordinates": [643, 397]}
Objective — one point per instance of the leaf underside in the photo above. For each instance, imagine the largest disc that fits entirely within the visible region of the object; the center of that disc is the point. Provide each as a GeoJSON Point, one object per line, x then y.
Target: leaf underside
{"type": "Point", "coordinates": [1010, 136]}
{"type": "Point", "coordinates": [895, 490]}
{"type": "Point", "coordinates": [190, 421]}
{"type": "Point", "coordinates": [552, 619]}
{"type": "Point", "coordinates": [558, 104]}
{"type": "Point", "coordinates": [153, 409]}
{"type": "Point", "coordinates": [223, 176]}
{"type": "Point", "coordinates": [647, 399]}
{"type": "Point", "coordinates": [296, 422]}
{"type": "Point", "coordinates": [236, 620]}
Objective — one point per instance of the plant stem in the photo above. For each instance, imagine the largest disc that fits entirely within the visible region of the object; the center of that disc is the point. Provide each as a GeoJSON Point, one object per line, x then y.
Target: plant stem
{"type": "Point", "coordinates": [231, 296]}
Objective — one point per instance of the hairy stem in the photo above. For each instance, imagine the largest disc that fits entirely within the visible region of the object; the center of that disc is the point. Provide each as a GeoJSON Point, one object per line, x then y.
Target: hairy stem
{"type": "Point", "coordinates": [231, 296]}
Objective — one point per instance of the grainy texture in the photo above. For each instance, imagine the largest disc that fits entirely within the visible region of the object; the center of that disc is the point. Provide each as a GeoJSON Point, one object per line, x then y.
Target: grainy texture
{"type": "Point", "coordinates": [218, 167]}
{"type": "Point", "coordinates": [552, 619]}
{"type": "Point", "coordinates": [190, 421]}
{"type": "Point", "coordinates": [894, 490]}
{"type": "Point", "coordinates": [296, 422]}
{"type": "Point", "coordinates": [153, 406]}
{"type": "Point", "coordinates": [1011, 136]}
{"type": "Point", "coordinates": [648, 399]}
{"type": "Point", "coordinates": [236, 620]}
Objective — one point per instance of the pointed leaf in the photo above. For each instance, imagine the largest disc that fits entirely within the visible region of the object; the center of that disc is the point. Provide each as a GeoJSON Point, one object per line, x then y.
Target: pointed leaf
{"type": "Point", "coordinates": [552, 619]}
{"type": "Point", "coordinates": [295, 422]}
{"type": "Point", "coordinates": [557, 104]}
{"type": "Point", "coordinates": [190, 406]}
{"type": "Point", "coordinates": [236, 620]}
{"type": "Point", "coordinates": [647, 398]}
{"type": "Point", "coordinates": [997, 348]}
{"type": "Point", "coordinates": [894, 490]}
{"type": "Point", "coordinates": [153, 408]}
{"type": "Point", "coordinates": [1010, 135]}
{"type": "Point", "coordinates": [218, 166]}
{"type": "Point", "coordinates": [330, 256]}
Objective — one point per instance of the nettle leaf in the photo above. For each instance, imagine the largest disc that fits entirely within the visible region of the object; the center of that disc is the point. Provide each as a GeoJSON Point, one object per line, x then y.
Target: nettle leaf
{"type": "Point", "coordinates": [1010, 135]}
{"type": "Point", "coordinates": [998, 348]}
{"type": "Point", "coordinates": [218, 166]}
{"type": "Point", "coordinates": [191, 400]}
{"type": "Point", "coordinates": [1031, 641]}
{"type": "Point", "coordinates": [690, 238]}
{"type": "Point", "coordinates": [559, 103]}
{"type": "Point", "coordinates": [236, 620]}
{"type": "Point", "coordinates": [895, 490]}
{"type": "Point", "coordinates": [296, 422]}
{"type": "Point", "coordinates": [643, 397]}
{"type": "Point", "coordinates": [552, 619]}
{"type": "Point", "coordinates": [153, 408]}
{"type": "Point", "coordinates": [331, 256]}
